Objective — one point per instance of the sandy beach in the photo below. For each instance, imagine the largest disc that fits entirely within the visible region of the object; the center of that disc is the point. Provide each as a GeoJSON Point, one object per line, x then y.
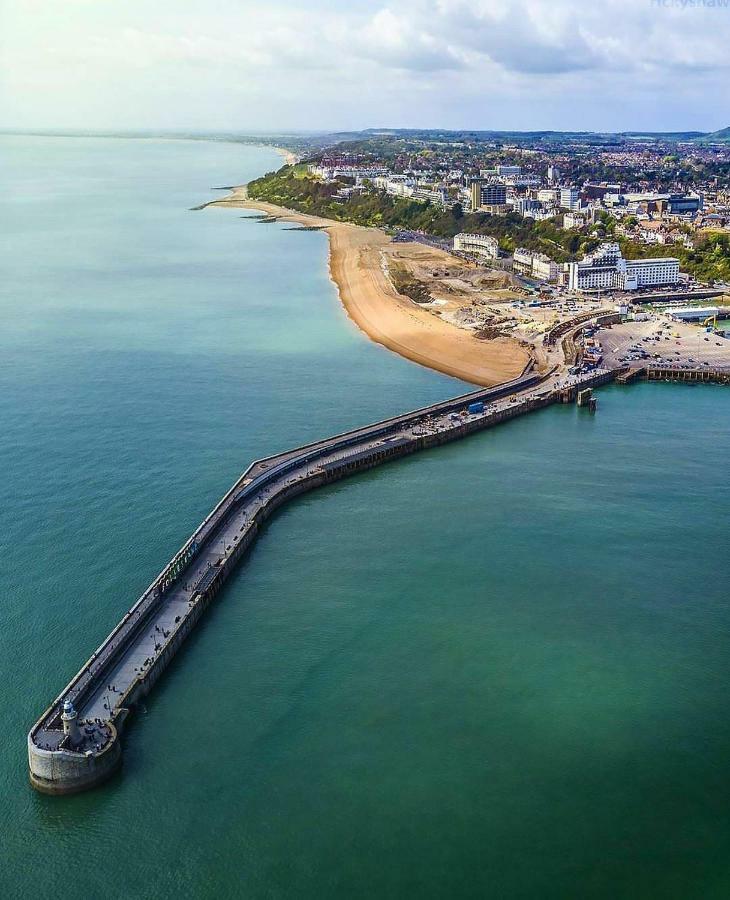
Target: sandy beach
{"type": "Point", "coordinates": [289, 158]}
{"type": "Point", "coordinates": [357, 267]}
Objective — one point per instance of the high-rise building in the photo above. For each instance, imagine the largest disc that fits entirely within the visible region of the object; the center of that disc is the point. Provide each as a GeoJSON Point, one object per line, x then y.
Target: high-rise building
{"type": "Point", "coordinates": [485, 194]}
{"type": "Point", "coordinates": [553, 174]}
{"type": "Point", "coordinates": [569, 198]}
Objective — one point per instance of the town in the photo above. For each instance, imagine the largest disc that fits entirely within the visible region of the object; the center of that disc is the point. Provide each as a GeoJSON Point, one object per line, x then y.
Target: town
{"type": "Point", "coordinates": [638, 195]}
{"type": "Point", "coordinates": [549, 241]}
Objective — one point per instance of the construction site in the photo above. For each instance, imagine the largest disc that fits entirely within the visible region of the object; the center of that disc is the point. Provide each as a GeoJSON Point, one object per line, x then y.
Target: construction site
{"type": "Point", "coordinates": [488, 301]}
{"type": "Point", "coordinates": [559, 328]}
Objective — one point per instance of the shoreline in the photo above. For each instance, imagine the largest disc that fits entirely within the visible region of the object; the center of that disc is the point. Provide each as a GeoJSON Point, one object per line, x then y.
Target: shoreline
{"type": "Point", "coordinates": [290, 159]}
{"type": "Point", "coordinates": [356, 267]}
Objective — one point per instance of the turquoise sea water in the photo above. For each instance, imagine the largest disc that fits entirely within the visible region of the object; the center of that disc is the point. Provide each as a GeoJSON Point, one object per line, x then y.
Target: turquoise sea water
{"type": "Point", "coordinates": [494, 670]}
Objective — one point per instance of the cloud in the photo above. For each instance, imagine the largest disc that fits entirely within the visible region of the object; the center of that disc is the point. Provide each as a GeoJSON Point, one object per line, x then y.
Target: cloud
{"type": "Point", "coordinates": [518, 38]}
{"type": "Point", "coordinates": [402, 42]}
{"type": "Point", "coordinates": [331, 63]}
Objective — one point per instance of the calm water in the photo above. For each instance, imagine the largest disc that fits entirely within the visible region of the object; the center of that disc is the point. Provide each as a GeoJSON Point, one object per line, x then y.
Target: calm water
{"type": "Point", "coordinates": [495, 670]}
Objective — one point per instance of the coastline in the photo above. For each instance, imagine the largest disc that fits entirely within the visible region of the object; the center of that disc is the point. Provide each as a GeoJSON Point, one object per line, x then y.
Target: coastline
{"type": "Point", "coordinates": [290, 159]}
{"type": "Point", "coordinates": [356, 267]}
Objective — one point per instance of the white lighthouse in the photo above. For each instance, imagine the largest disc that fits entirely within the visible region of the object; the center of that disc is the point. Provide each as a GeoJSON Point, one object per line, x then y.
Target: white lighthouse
{"type": "Point", "coordinates": [69, 718]}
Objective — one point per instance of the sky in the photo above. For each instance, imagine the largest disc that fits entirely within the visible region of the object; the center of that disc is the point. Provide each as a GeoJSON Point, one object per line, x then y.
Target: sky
{"type": "Point", "coordinates": [280, 65]}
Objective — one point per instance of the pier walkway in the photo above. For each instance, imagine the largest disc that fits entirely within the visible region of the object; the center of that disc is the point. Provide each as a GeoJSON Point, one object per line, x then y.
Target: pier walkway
{"type": "Point", "coordinates": [76, 742]}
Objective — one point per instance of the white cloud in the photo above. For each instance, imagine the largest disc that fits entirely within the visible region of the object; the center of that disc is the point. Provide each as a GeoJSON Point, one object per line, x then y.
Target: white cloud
{"type": "Point", "coordinates": [466, 63]}
{"type": "Point", "coordinates": [404, 42]}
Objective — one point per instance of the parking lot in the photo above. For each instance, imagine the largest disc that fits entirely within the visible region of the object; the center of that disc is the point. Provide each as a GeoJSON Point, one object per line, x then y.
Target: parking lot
{"type": "Point", "coordinates": [663, 341]}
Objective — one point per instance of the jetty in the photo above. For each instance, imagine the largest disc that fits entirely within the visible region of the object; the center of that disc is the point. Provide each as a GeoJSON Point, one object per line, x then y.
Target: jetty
{"type": "Point", "coordinates": [687, 373]}
{"type": "Point", "coordinates": [665, 372]}
{"type": "Point", "coordinates": [76, 742]}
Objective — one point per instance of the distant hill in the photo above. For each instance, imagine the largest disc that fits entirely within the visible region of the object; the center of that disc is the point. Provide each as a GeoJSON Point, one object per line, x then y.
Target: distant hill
{"type": "Point", "coordinates": [721, 136]}
{"type": "Point", "coordinates": [662, 135]}
{"type": "Point", "coordinates": [548, 137]}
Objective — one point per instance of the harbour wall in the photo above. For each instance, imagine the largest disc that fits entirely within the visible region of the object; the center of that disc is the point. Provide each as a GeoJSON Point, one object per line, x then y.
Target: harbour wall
{"type": "Point", "coordinates": [64, 769]}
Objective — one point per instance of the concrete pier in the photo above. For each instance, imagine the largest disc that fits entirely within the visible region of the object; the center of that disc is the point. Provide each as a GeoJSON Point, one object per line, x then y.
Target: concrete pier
{"type": "Point", "coordinates": [677, 373]}
{"type": "Point", "coordinates": [76, 743]}
{"type": "Point", "coordinates": [584, 397]}
{"type": "Point", "coordinates": [652, 372]}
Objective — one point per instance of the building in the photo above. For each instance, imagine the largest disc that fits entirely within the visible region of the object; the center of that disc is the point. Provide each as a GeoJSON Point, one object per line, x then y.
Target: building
{"type": "Point", "coordinates": [530, 181]}
{"type": "Point", "coordinates": [502, 172]}
{"type": "Point", "coordinates": [651, 203]}
{"type": "Point", "coordinates": [553, 175]}
{"type": "Point", "coordinates": [537, 265]}
{"type": "Point", "coordinates": [542, 215]}
{"type": "Point", "coordinates": [682, 204]}
{"type": "Point", "coordinates": [332, 173]}
{"type": "Point", "coordinates": [526, 206]}
{"type": "Point", "coordinates": [548, 195]}
{"type": "Point", "coordinates": [597, 271]}
{"type": "Point", "coordinates": [569, 198]}
{"type": "Point", "coordinates": [344, 193]}
{"type": "Point", "coordinates": [594, 191]}
{"type": "Point", "coordinates": [544, 268]}
{"type": "Point", "coordinates": [479, 244]}
{"type": "Point", "coordinates": [574, 220]}
{"type": "Point", "coordinates": [642, 273]}
{"type": "Point", "coordinates": [408, 188]}
{"type": "Point", "coordinates": [522, 260]}
{"type": "Point", "coordinates": [430, 195]}
{"type": "Point", "coordinates": [496, 209]}
{"type": "Point", "coordinates": [606, 269]}
{"type": "Point", "coordinates": [395, 185]}
{"type": "Point", "coordinates": [695, 313]}
{"type": "Point", "coordinates": [464, 197]}
{"type": "Point", "coordinates": [485, 194]}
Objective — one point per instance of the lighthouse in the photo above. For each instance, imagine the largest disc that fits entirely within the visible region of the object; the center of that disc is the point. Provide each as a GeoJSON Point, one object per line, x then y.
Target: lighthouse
{"type": "Point", "coordinates": [70, 724]}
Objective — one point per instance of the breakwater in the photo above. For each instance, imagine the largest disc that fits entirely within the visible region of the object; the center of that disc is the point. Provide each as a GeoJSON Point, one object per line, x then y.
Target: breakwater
{"type": "Point", "coordinates": [76, 743]}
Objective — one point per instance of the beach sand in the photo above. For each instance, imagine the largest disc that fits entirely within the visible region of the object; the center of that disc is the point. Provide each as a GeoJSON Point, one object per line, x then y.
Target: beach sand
{"type": "Point", "coordinates": [357, 268]}
{"type": "Point", "coordinates": [289, 158]}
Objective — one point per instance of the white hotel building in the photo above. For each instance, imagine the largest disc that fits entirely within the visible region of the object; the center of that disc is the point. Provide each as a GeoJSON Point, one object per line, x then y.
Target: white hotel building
{"type": "Point", "coordinates": [606, 269]}
{"type": "Point", "coordinates": [480, 244]}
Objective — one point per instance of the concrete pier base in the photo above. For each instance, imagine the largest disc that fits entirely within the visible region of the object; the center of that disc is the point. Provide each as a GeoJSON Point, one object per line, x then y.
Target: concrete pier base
{"type": "Point", "coordinates": [68, 772]}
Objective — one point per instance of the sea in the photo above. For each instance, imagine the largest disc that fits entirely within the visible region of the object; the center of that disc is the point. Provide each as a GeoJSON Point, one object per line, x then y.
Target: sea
{"type": "Point", "coordinates": [496, 669]}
